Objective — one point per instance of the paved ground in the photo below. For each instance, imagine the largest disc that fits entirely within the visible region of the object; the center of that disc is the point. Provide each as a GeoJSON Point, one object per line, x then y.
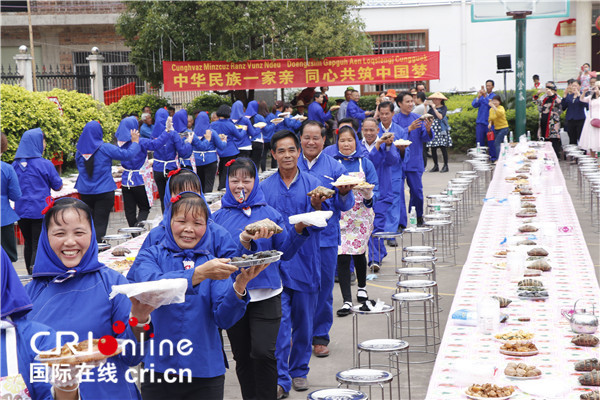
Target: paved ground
{"type": "Point", "coordinates": [323, 370]}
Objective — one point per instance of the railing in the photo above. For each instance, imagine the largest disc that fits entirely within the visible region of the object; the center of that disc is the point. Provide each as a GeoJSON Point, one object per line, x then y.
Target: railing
{"type": "Point", "coordinates": [10, 76]}
{"type": "Point", "coordinates": [62, 77]}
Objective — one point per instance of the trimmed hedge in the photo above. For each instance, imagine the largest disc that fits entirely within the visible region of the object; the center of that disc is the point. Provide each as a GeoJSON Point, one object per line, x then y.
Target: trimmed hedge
{"type": "Point", "coordinates": [135, 103]}
{"type": "Point", "coordinates": [207, 102]}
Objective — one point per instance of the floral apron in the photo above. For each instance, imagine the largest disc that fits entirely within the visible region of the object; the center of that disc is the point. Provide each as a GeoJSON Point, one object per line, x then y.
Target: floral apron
{"type": "Point", "coordinates": [12, 386]}
{"type": "Point", "coordinates": [356, 224]}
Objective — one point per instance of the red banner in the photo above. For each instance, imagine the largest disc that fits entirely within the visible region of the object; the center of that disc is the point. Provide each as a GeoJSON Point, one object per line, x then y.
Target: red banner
{"type": "Point", "coordinates": [114, 95]}
{"type": "Point", "coordinates": [273, 74]}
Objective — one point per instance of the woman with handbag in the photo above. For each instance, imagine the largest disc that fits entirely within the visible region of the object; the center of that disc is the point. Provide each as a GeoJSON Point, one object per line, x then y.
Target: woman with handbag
{"type": "Point", "coordinates": [441, 139]}
{"type": "Point", "coordinates": [590, 135]}
{"type": "Point", "coordinates": [550, 109]}
{"type": "Point", "coordinates": [497, 119]}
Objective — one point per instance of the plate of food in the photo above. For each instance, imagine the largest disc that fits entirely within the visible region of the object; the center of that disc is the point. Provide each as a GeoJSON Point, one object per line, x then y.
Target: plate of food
{"type": "Point", "coordinates": [522, 371]}
{"type": "Point", "coordinates": [519, 348]}
{"type": "Point", "coordinates": [154, 293]}
{"type": "Point", "coordinates": [259, 258]}
{"type": "Point", "coordinates": [277, 120]}
{"type": "Point", "coordinates": [284, 114]}
{"type": "Point", "coordinates": [500, 265]}
{"type": "Point", "coordinates": [489, 391]}
{"type": "Point", "coordinates": [260, 125]}
{"type": "Point", "coordinates": [333, 108]}
{"type": "Point", "coordinates": [402, 142]}
{"type": "Point", "coordinates": [300, 117]}
{"type": "Point", "coordinates": [121, 265]}
{"type": "Point", "coordinates": [514, 335]}
{"type": "Point", "coordinates": [322, 191]}
{"type": "Point", "coordinates": [344, 180]}
{"type": "Point", "coordinates": [82, 352]}
{"type": "Point", "coordinates": [426, 116]}
{"type": "Point", "coordinates": [364, 185]}
{"type": "Point", "coordinates": [501, 254]}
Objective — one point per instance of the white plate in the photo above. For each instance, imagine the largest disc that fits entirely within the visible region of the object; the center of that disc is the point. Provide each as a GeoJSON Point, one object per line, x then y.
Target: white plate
{"type": "Point", "coordinates": [489, 398]}
{"type": "Point", "coordinates": [277, 120]}
{"type": "Point", "coordinates": [283, 114]}
{"type": "Point", "coordinates": [499, 256]}
{"type": "Point", "coordinates": [519, 353]}
{"type": "Point", "coordinates": [523, 378]}
{"type": "Point", "coordinates": [260, 125]}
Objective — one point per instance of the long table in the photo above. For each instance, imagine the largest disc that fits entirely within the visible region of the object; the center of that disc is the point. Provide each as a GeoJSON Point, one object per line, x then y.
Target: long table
{"type": "Point", "coordinates": [467, 356]}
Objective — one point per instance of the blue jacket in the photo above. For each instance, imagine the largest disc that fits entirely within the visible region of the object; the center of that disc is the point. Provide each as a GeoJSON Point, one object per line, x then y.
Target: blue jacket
{"type": "Point", "coordinates": [417, 137]}
{"type": "Point", "coordinates": [385, 160]}
{"type": "Point", "coordinates": [9, 190]}
{"type": "Point", "coordinates": [234, 135]}
{"type": "Point", "coordinates": [165, 157]}
{"type": "Point", "coordinates": [303, 271]}
{"type": "Point", "coordinates": [146, 131]}
{"type": "Point", "coordinates": [209, 154]}
{"type": "Point", "coordinates": [328, 170]}
{"type": "Point", "coordinates": [208, 306]}
{"type": "Point", "coordinates": [289, 123]}
{"type": "Point", "coordinates": [575, 108]}
{"type": "Point", "coordinates": [270, 129]}
{"type": "Point", "coordinates": [483, 103]}
{"type": "Point", "coordinates": [80, 304]}
{"type": "Point", "coordinates": [35, 180]}
{"type": "Point", "coordinates": [316, 113]}
{"type": "Point", "coordinates": [234, 220]}
{"type": "Point", "coordinates": [252, 117]}
{"type": "Point", "coordinates": [131, 174]}
{"type": "Point", "coordinates": [101, 180]}
{"type": "Point", "coordinates": [354, 111]}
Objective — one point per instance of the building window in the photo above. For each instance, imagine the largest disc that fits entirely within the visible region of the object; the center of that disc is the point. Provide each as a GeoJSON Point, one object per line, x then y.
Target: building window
{"type": "Point", "coordinates": [397, 42]}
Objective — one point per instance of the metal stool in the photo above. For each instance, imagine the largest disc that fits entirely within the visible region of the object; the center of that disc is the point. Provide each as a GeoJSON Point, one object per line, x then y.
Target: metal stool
{"type": "Point", "coordinates": [134, 231]}
{"type": "Point", "coordinates": [388, 311]}
{"type": "Point", "coordinates": [420, 332]}
{"type": "Point", "coordinates": [117, 239]}
{"type": "Point", "coordinates": [388, 235]}
{"type": "Point", "coordinates": [366, 377]}
{"type": "Point", "coordinates": [393, 348]}
{"type": "Point", "coordinates": [337, 394]}
{"type": "Point", "coordinates": [103, 247]}
{"type": "Point", "coordinates": [443, 239]}
{"type": "Point", "coordinates": [416, 230]}
{"type": "Point", "coordinates": [426, 266]}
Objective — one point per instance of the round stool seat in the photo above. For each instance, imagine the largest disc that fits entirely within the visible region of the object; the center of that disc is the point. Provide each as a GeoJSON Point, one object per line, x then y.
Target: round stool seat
{"type": "Point", "coordinates": [420, 249]}
{"type": "Point", "coordinates": [438, 223]}
{"type": "Point", "coordinates": [363, 376]}
{"type": "Point", "coordinates": [118, 236]}
{"type": "Point", "coordinates": [103, 246]}
{"type": "Point", "coordinates": [386, 309]}
{"type": "Point", "coordinates": [383, 345]}
{"type": "Point", "coordinates": [337, 394]}
{"type": "Point", "coordinates": [436, 216]}
{"type": "Point", "coordinates": [419, 259]}
{"type": "Point", "coordinates": [416, 284]}
{"type": "Point", "coordinates": [412, 296]}
{"type": "Point", "coordinates": [436, 196]}
{"type": "Point", "coordinates": [467, 173]}
{"type": "Point", "coordinates": [417, 229]}
{"type": "Point", "coordinates": [133, 230]}
{"type": "Point", "coordinates": [388, 235]}
{"type": "Point", "coordinates": [409, 271]}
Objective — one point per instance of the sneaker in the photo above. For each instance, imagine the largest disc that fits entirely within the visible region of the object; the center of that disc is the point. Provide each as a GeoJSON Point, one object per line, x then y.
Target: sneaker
{"type": "Point", "coordinates": [392, 243]}
{"type": "Point", "coordinates": [362, 295]}
{"type": "Point", "coordinates": [300, 384]}
{"type": "Point", "coordinates": [374, 267]}
{"type": "Point", "coordinates": [345, 310]}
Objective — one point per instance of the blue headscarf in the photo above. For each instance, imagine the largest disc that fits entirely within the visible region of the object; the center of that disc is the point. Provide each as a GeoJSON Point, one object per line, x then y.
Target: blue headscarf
{"type": "Point", "coordinates": [160, 122]}
{"type": "Point", "coordinates": [47, 262]}
{"type": "Point", "coordinates": [90, 139]}
{"type": "Point", "coordinates": [360, 151]}
{"type": "Point", "coordinates": [180, 121]}
{"type": "Point", "coordinates": [252, 109]}
{"type": "Point", "coordinates": [256, 197]}
{"type": "Point", "coordinates": [31, 145]}
{"type": "Point", "coordinates": [237, 111]}
{"type": "Point", "coordinates": [201, 124]}
{"type": "Point", "coordinates": [202, 247]}
{"type": "Point", "coordinates": [123, 133]}
{"type": "Point", "coordinates": [14, 302]}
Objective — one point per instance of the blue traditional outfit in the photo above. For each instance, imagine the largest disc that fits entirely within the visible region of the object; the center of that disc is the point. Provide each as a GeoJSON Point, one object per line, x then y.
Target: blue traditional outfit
{"type": "Point", "coordinates": [327, 170]}
{"type": "Point", "coordinates": [234, 136]}
{"type": "Point", "coordinates": [16, 353]}
{"type": "Point", "coordinates": [36, 177]}
{"type": "Point", "coordinates": [301, 277]}
{"type": "Point", "coordinates": [253, 338]}
{"type": "Point", "coordinates": [258, 141]}
{"type": "Point", "coordinates": [206, 160]}
{"type": "Point", "coordinates": [132, 183]}
{"type": "Point", "coordinates": [77, 299]}
{"type": "Point", "coordinates": [243, 143]}
{"type": "Point", "coordinates": [481, 126]}
{"type": "Point", "coordinates": [356, 224]}
{"type": "Point", "coordinates": [209, 306]}
{"type": "Point", "coordinates": [414, 166]}
{"type": "Point", "coordinates": [97, 189]}
{"type": "Point", "coordinates": [316, 113]}
{"type": "Point", "coordinates": [9, 190]}
{"type": "Point", "coordinates": [354, 111]}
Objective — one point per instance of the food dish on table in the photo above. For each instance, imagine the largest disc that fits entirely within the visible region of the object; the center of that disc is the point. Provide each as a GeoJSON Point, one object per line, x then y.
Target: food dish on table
{"type": "Point", "coordinates": [519, 348]}
{"type": "Point", "coordinates": [489, 391]}
{"type": "Point", "coordinates": [515, 335]}
{"type": "Point", "coordinates": [522, 371]}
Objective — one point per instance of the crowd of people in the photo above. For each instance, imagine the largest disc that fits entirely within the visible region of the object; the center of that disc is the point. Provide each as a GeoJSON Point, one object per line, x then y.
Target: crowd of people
{"type": "Point", "coordinates": [276, 316]}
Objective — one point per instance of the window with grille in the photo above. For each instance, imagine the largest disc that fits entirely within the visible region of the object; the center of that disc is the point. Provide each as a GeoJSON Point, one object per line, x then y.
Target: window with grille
{"type": "Point", "coordinates": [397, 42]}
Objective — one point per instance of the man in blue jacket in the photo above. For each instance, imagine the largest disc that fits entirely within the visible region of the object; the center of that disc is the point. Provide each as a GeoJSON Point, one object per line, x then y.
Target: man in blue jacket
{"type": "Point", "coordinates": [315, 110]}
{"type": "Point", "coordinates": [481, 128]}
{"type": "Point", "coordinates": [301, 276]}
{"type": "Point", "coordinates": [327, 170]}
{"type": "Point", "coordinates": [354, 111]}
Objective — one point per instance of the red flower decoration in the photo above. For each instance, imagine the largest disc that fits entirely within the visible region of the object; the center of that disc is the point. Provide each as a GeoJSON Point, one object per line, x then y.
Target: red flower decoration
{"type": "Point", "coordinates": [174, 172]}
{"type": "Point", "coordinates": [230, 162]}
{"type": "Point", "coordinates": [50, 204]}
{"type": "Point", "coordinates": [175, 199]}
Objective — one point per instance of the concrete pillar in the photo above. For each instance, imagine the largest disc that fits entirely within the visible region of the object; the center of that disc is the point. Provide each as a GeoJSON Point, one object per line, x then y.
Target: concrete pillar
{"type": "Point", "coordinates": [583, 38]}
{"type": "Point", "coordinates": [25, 67]}
{"type": "Point", "coordinates": [95, 60]}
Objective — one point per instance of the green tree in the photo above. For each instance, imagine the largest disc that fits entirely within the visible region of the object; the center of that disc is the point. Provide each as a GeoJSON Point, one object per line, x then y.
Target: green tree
{"type": "Point", "coordinates": [239, 31]}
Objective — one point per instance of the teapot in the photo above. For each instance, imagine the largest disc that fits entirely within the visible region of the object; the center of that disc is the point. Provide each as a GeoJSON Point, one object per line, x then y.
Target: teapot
{"type": "Point", "coordinates": [582, 321]}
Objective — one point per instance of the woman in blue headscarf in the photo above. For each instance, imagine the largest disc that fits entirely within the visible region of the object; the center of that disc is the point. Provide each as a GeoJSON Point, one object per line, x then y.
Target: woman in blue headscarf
{"type": "Point", "coordinates": [9, 190]}
{"type": "Point", "coordinates": [95, 182]}
{"type": "Point", "coordinates": [253, 337]}
{"type": "Point", "coordinates": [356, 224]}
{"type": "Point", "coordinates": [225, 126]}
{"type": "Point", "coordinates": [213, 300]}
{"type": "Point", "coordinates": [70, 292]}
{"type": "Point", "coordinates": [16, 352]}
{"type": "Point", "coordinates": [132, 182]}
{"type": "Point", "coordinates": [252, 113]}
{"type": "Point", "coordinates": [205, 146]}
{"type": "Point", "coordinates": [241, 122]}
{"type": "Point", "coordinates": [36, 177]}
